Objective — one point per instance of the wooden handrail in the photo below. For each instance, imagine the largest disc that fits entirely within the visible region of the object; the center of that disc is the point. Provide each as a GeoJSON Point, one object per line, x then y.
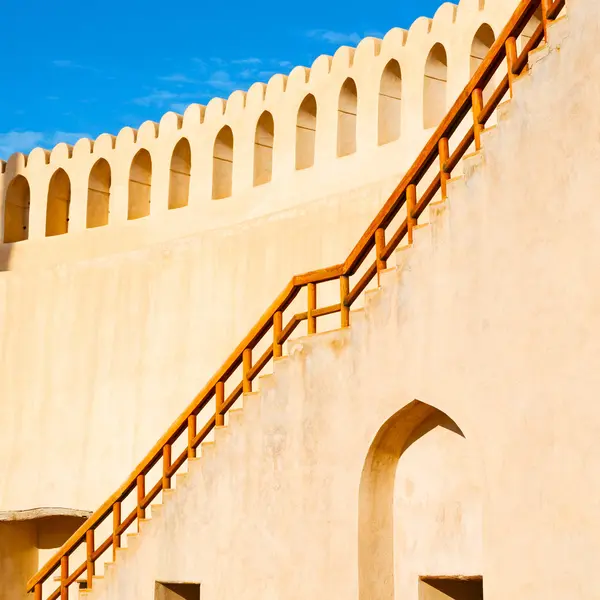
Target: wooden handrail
{"type": "Point", "coordinates": [374, 237]}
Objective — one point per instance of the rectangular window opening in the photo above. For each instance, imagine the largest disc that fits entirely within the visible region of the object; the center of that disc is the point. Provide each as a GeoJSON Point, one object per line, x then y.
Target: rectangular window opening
{"type": "Point", "coordinates": [451, 588]}
{"type": "Point", "coordinates": [176, 590]}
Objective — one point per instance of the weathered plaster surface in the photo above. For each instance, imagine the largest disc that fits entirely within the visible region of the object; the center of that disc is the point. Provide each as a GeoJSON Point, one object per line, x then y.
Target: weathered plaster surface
{"type": "Point", "coordinates": [490, 329]}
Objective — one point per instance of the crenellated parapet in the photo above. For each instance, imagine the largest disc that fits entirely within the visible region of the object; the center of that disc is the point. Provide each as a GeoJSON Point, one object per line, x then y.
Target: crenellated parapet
{"type": "Point", "coordinates": [352, 118]}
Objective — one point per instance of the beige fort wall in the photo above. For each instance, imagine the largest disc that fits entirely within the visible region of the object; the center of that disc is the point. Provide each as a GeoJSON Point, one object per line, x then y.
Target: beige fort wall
{"type": "Point", "coordinates": [452, 429]}
{"type": "Point", "coordinates": [109, 331]}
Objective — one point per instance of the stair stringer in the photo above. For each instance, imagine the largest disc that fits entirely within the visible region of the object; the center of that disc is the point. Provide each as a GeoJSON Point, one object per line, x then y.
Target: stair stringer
{"type": "Point", "coordinates": [271, 508]}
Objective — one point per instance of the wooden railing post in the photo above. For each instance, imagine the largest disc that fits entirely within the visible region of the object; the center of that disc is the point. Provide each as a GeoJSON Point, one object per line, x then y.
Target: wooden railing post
{"type": "Point", "coordinates": [277, 328]}
{"type": "Point", "coordinates": [344, 291]}
{"type": "Point", "coordinates": [64, 575]}
{"type": "Point", "coordinates": [141, 494]}
{"type": "Point", "coordinates": [411, 203]}
{"type": "Point", "coordinates": [477, 101]}
{"type": "Point", "coordinates": [191, 428]}
{"type": "Point", "coordinates": [246, 366]}
{"type": "Point", "coordinates": [89, 556]}
{"type": "Point", "coordinates": [545, 5]}
{"type": "Point", "coordinates": [37, 592]}
{"type": "Point", "coordinates": [219, 401]}
{"type": "Point", "coordinates": [511, 59]}
{"type": "Point", "coordinates": [444, 153]}
{"type": "Point", "coordinates": [166, 479]}
{"type": "Point", "coordinates": [116, 541]}
{"type": "Point", "coordinates": [312, 305]}
{"type": "Point", "coordinates": [379, 250]}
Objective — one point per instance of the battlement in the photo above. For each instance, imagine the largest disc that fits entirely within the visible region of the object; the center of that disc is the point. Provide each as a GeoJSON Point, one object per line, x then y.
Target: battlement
{"type": "Point", "coordinates": [351, 119]}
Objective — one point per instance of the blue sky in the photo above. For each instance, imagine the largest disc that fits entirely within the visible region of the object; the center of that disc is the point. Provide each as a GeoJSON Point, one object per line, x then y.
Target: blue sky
{"type": "Point", "coordinates": [75, 68]}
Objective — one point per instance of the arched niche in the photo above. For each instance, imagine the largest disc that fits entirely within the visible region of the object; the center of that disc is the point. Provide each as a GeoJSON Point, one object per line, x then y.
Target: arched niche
{"type": "Point", "coordinates": [98, 200]}
{"type": "Point", "coordinates": [347, 114]}
{"type": "Point", "coordinates": [16, 210]}
{"type": "Point", "coordinates": [435, 85]}
{"type": "Point", "coordinates": [59, 204]}
{"type": "Point", "coordinates": [179, 177]}
{"type": "Point", "coordinates": [306, 132]}
{"type": "Point", "coordinates": [263, 149]}
{"type": "Point", "coordinates": [223, 164]}
{"type": "Point", "coordinates": [140, 181]}
{"type": "Point", "coordinates": [419, 506]}
{"type": "Point", "coordinates": [390, 104]}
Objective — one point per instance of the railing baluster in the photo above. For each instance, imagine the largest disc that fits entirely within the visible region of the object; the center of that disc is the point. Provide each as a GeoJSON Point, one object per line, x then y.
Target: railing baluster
{"type": "Point", "coordinates": [312, 305]}
{"type": "Point", "coordinates": [219, 401]}
{"type": "Point", "coordinates": [545, 7]}
{"type": "Point", "coordinates": [89, 556]}
{"type": "Point", "coordinates": [37, 592]}
{"type": "Point", "coordinates": [379, 250]}
{"type": "Point", "coordinates": [141, 494]}
{"type": "Point", "coordinates": [344, 291]}
{"type": "Point", "coordinates": [246, 366]}
{"type": "Point", "coordinates": [277, 328]}
{"type": "Point", "coordinates": [64, 575]}
{"type": "Point", "coordinates": [116, 543]}
{"type": "Point", "coordinates": [477, 102]}
{"type": "Point", "coordinates": [166, 479]}
{"type": "Point", "coordinates": [411, 203]}
{"type": "Point", "coordinates": [444, 153]}
{"type": "Point", "coordinates": [511, 59]}
{"type": "Point", "coordinates": [191, 429]}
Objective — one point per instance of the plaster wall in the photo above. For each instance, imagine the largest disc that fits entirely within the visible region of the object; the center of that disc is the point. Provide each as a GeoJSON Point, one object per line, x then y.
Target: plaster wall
{"type": "Point", "coordinates": [110, 330]}
{"type": "Point", "coordinates": [489, 328]}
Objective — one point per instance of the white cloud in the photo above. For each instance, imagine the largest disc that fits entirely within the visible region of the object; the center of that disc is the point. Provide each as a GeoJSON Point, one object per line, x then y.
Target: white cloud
{"type": "Point", "coordinates": [177, 78]}
{"type": "Point", "coordinates": [64, 136]}
{"type": "Point", "coordinates": [220, 80]}
{"type": "Point", "coordinates": [70, 64]}
{"type": "Point", "coordinates": [247, 74]}
{"type": "Point", "coordinates": [64, 64]}
{"type": "Point", "coordinates": [246, 61]}
{"type": "Point", "coordinates": [156, 98]}
{"type": "Point", "coordinates": [19, 141]}
{"type": "Point", "coordinates": [179, 107]}
{"type": "Point", "coordinates": [25, 141]}
{"type": "Point", "coordinates": [334, 37]}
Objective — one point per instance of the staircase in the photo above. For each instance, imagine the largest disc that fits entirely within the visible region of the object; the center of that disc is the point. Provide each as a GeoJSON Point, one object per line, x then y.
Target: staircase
{"type": "Point", "coordinates": [394, 234]}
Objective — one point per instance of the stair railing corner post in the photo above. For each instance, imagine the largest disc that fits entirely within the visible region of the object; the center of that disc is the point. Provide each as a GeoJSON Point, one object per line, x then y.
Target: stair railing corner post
{"type": "Point", "coordinates": [511, 59]}
{"type": "Point", "coordinates": [89, 557]}
{"type": "Point", "coordinates": [411, 203]}
{"type": "Point", "coordinates": [64, 576]}
{"type": "Point", "coordinates": [191, 429]}
{"type": "Point", "coordinates": [477, 105]}
{"type": "Point", "coordinates": [116, 541]}
{"type": "Point", "coordinates": [344, 308]}
{"type": "Point", "coordinates": [311, 320]}
{"type": "Point", "coordinates": [246, 366]}
{"type": "Point", "coordinates": [444, 154]}
{"type": "Point", "coordinates": [219, 401]}
{"type": "Point", "coordinates": [379, 251]}
{"type": "Point", "coordinates": [277, 328]}
{"type": "Point", "coordinates": [141, 494]}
